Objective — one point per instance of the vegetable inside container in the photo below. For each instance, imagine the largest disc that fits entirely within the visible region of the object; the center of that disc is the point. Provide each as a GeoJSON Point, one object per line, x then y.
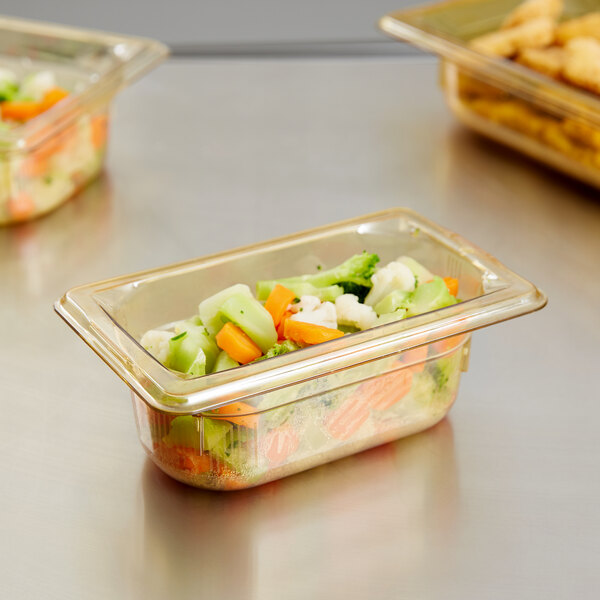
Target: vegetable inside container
{"type": "Point", "coordinates": [114, 315]}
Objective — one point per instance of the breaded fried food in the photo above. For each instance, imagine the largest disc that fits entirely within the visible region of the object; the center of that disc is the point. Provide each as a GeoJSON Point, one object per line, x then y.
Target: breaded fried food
{"type": "Point", "coordinates": [582, 63]}
{"type": "Point", "coordinates": [586, 26]}
{"type": "Point", "coordinates": [532, 9]}
{"type": "Point", "coordinates": [536, 33]}
{"type": "Point", "coordinates": [472, 87]}
{"type": "Point", "coordinates": [582, 133]}
{"type": "Point", "coordinates": [549, 61]}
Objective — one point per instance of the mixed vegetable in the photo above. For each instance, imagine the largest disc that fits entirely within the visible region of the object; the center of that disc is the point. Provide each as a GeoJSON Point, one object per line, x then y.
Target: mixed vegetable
{"type": "Point", "coordinates": [23, 100]}
{"type": "Point", "coordinates": [56, 163]}
{"type": "Point", "coordinates": [234, 327]}
{"type": "Point", "coordinates": [240, 443]}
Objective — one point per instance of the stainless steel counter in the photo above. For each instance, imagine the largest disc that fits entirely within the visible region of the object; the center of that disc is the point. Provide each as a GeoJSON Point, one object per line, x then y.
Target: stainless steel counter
{"type": "Point", "coordinates": [498, 501]}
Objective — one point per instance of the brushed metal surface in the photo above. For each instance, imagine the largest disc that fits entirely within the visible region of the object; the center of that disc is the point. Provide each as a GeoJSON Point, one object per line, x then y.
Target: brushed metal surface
{"type": "Point", "coordinates": [498, 501]}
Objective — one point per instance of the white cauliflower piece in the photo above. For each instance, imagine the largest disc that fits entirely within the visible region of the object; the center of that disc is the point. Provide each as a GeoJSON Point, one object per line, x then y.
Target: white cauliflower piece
{"type": "Point", "coordinates": [157, 343]}
{"type": "Point", "coordinates": [422, 275]}
{"type": "Point", "coordinates": [351, 312]}
{"type": "Point", "coordinates": [394, 276]}
{"type": "Point", "coordinates": [311, 310]}
{"type": "Point", "coordinates": [306, 302]}
{"type": "Point", "coordinates": [34, 86]}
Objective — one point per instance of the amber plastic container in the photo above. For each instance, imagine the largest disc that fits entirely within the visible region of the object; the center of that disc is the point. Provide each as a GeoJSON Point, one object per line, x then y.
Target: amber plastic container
{"type": "Point", "coordinates": [314, 405]}
{"type": "Point", "coordinates": [46, 160]}
{"type": "Point", "coordinates": [546, 119]}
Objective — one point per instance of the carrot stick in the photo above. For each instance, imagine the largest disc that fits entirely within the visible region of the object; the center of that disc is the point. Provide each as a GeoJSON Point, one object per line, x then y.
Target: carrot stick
{"type": "Point", "coordinates": [99, 131]}
{"type": "Point", "coordinates": [237, 344]}
{"type": "Point", "coordinates": [278, 301]}
{"type": "Point", "coordinates": [20, 111]}
{"type": "Point", "coordinates": [247, 418]}
{"type": "Point", "coordinates": [452, 285]}
{"type": "Point", "coordinates": [309, 333]}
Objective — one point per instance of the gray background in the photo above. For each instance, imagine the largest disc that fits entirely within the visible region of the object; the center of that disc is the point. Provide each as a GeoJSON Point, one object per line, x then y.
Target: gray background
{"type": "Point", "coordinates": [208, 23]}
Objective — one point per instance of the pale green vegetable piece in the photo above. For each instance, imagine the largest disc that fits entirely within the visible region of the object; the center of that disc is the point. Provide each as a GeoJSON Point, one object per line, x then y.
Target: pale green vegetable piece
{"type": "Point", "coordinates": [184, 431]}
{"type": "Point", "coordinates": [430, 296]}
{"type": "Point", "coordinates": [224, 362]}
{"type": "Point", "coordinates": [208, 310]}
{"type": "Point", "coordinates": [252, 318]}
{"type": "Point", "coordinates": [422, 275]}
{"type": "Point", "coordinates": [394, 301]}
{"type": "Point", "coordinates": [185, 348]}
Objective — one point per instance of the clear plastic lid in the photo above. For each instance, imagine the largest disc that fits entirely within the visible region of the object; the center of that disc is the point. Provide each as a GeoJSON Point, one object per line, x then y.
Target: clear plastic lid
{"type": "Point", "coordinates": [446, 28]}
{"type": "Point", "coordinates": [112, 315]}
{"type": "Point", "coordinates": [93, 65]}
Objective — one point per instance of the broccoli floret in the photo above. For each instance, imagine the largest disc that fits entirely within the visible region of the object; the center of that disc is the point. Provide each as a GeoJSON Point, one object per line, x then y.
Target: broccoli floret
{"type": "Point", "coordinates": [440, 375]}
{"type": "Point", "coordinates": [360, 291]}
{"type": "Point", "coordinates": [357, 270]}
{"type": "Point", "coordinates": [445, 370]}
{"type": "Point", "coordinates": [280, 348]}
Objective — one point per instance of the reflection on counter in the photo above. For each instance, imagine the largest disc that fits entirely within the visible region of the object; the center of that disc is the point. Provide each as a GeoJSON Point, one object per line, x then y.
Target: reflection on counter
{"type": "Point", "coordinates": [233, 545]}
{"type": "Point", "coordinates": [44, 252]}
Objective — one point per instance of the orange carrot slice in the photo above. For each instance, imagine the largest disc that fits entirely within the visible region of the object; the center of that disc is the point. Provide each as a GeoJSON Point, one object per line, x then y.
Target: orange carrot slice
{"type": "Point", "coordinates": [20, 111]}
{"type": "Point", "coordinates": [309, 333]}
{"type": "Point", "coordinates": [452, 285]}
{"type": "Point", "coordinates": [280, 328]}
{"type": "Point", "coordinates": [417, 357]}
{"type": "Point", "coordinates": [34, 165]}
{"type": "Point", "coordinates": [27, 110]}
{"type": "Point", "coordinates": [345, 421]}
{"type": "Point", "coordinates": [448, 344]}
{"type": "Point", "coordinates": [237, 344]}
{"type": "Point", "coordinates": [278, 301]}
{"type": "Point", "coordinates": [185, 459]}
{"type": "Point", "coordinates": [247, 414]}
{"type": "Point", "coordinates": [52, 97]}
{"type": "Point", "coordinates": [99, 131]}
{"type": "Point", "coordinates": [279, 444]}
{"type": "Point", "coordinates": [386, 390]}
{"type": "Point", "coordinates": [21, 206]}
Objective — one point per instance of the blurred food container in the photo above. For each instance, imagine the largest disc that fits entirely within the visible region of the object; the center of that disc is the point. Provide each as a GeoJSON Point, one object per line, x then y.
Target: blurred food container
{"type": "Point", "coordinates": [545, 118]}
{"type": "Point", "coordinates": [46, 159]}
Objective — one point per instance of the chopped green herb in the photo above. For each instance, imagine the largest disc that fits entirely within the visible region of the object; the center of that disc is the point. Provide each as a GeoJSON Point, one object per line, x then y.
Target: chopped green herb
{"type": "Point", "coordinates": [179, 336]}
